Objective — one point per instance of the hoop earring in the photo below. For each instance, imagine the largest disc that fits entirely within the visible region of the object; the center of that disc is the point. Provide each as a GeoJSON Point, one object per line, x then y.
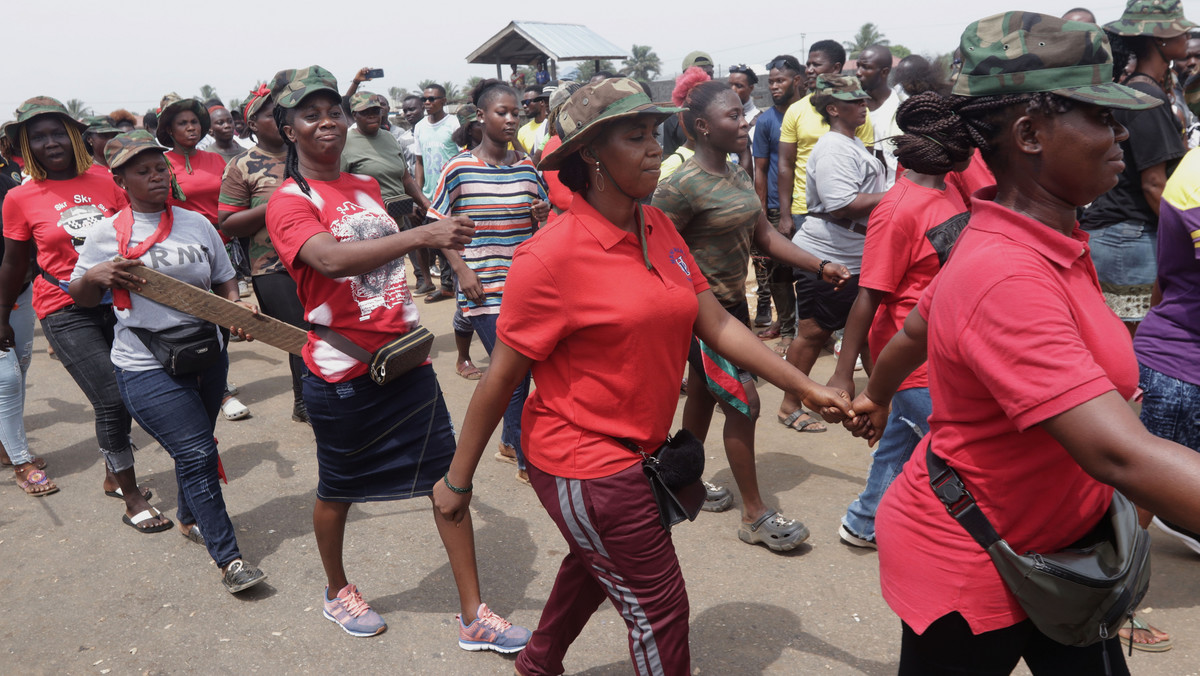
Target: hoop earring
{"type": "Point", "coordinates": [599, 178]}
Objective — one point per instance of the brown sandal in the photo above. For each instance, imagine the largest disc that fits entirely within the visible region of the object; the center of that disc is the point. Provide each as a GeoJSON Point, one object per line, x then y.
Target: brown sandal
{"type": "Point", "coordinates": [35, 483]}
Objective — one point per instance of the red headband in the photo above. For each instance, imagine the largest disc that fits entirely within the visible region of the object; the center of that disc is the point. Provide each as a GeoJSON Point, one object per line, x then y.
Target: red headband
{"type": "Point", "coordinates": [262, 92]}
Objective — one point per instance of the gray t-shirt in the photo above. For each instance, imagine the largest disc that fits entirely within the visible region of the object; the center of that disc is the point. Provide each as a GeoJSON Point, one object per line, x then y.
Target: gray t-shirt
{"type": "Point", "coordinates": [192, 253]}
{"type": "Point", "coordinates": [838, 170]}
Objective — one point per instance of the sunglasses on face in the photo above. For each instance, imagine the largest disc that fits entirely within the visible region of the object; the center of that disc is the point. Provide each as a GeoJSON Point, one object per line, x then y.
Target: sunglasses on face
{"type": "Point", "coordinates": [431, 99]}
{"type": "Point", "coordinates": [527, 102]}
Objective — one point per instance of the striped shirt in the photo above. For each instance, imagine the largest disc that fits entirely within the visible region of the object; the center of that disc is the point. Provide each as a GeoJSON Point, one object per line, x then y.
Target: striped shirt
{"type": "Point", "coordinates": [498, 200]}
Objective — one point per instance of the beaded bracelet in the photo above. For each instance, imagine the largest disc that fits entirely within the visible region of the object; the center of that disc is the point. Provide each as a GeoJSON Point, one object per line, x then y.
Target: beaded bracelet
{"type": "Point", "coordinates": [821, 269]}
{"type": "Point", "coordinates": [456, 489]}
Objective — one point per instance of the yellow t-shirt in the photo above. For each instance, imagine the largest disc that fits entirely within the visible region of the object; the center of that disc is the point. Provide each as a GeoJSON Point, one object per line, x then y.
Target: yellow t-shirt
{"type": "Point", "coordinates": [803, 125]}
{"type": "Point", "coordinates": [527, 135]}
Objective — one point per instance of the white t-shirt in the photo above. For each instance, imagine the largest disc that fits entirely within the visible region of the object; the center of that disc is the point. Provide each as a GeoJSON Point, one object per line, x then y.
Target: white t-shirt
{"type": "Point", "coordinates": [435, 148]}
{"type": "Point", "coordinates": [884, 119]}
{"type": "Point", "coordinates": [838, 170]}
{"type": "Point", "coordinates": [192, 253]}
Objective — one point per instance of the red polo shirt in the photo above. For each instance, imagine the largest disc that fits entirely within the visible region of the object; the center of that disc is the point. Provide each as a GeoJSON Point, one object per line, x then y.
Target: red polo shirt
{"type": "Point", "coordinates": [202, 185]}
{"type": "Point", "coordinates": [1018, 333]}
{"type": "Point", "coordinates": [609, 338]}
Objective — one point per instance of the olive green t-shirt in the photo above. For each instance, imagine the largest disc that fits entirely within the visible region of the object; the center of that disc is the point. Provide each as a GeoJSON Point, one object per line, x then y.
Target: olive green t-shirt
{"type": "Point", "coordinates": [380, 158]}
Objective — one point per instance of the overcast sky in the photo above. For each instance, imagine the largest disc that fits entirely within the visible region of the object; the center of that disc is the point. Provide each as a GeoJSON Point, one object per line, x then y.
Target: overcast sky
{"type": "Point", "coordinates": [128, 54]}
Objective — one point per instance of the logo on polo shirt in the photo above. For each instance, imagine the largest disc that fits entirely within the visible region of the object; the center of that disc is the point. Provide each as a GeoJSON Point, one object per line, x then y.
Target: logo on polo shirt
{"type": "Point", "coordinates": [679, 257]}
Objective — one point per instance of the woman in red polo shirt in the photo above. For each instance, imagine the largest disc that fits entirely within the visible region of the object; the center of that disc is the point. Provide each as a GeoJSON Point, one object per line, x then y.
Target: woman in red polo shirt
{"type": "Point", "coordinates": [1029, 372]}
{"type": "Point", "coordinates": [608, 367]}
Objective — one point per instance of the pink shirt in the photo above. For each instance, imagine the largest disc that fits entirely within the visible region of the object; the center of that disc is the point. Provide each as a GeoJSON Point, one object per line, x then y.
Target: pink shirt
{"type": "Point", "coordinates": [1018, 333]}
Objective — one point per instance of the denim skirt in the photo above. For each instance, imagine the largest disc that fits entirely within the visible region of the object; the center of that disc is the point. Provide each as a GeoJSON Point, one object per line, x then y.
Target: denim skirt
{"type": "Point", "coordinates": [379, 442]}
{"type": "Point", "coordinates": [1126, 256]}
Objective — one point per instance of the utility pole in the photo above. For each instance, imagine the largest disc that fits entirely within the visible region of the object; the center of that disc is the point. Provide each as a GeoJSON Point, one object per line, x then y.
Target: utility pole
{"type": "Point", "coordinates": [803, 53]}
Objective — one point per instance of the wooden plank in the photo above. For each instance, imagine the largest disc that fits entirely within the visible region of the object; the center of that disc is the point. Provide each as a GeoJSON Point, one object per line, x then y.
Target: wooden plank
{"type": "Point", "coordinates": [209, 306]}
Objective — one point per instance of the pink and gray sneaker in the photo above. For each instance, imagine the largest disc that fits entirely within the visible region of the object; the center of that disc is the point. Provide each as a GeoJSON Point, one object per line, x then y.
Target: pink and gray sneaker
{"type": "Point", "coordinates": [489, 631]}
{"type": "Point", "coordinates": [352, 613]}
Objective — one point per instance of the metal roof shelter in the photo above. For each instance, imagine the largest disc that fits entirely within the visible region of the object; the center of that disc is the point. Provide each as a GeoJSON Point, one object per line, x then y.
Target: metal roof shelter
{"type": "Point", "coordinates": [524, 42]}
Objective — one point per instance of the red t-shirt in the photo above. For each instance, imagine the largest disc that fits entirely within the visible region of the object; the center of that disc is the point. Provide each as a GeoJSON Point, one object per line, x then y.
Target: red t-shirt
{"type": "Point", "coordinates": [202, 186]}
{"type": "Point", "coordinates": [370, 309]}
{"type": "Point", "coordinates": [100, 170]}
{"type": "Point", "coordinates": [50, 213]}
{"type": "Point", "coordinates": [971, 179]}
{"type": "Point", "coordinates": [909, 236]}
{"type": "Point", "coordinates": [608, 337]}
{"type": "Point", "coordinates": [1018, 333]}
{"type": "Point", "coordinates": [560, 195]}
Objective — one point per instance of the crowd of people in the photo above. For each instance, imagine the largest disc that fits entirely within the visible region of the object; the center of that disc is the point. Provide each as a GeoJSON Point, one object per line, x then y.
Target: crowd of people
{"type": "Point", "coordinates": [1008, 249]}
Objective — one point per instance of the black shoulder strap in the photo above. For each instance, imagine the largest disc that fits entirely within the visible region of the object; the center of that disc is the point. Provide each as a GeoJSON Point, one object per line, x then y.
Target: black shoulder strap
{"type": "Point", "coordinates": [342, 343]}
{"type": "Point", "coordinates": [959, 502]}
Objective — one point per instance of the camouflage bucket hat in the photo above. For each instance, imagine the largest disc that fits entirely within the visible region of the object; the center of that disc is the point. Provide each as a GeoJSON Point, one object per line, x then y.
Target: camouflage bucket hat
{"type": "Point", "coordinates": [289, 87]}
{"type": "Point", "coordinates": [1026, 52]}
{"type": "Point", "coordinates": [841, 87]}
{"type": "Point", "coordinates": [125, 147]}
{"type": "Point", "coordinates": [1155, 18]}
{"type": "Point", "coordinates": [171, 105]}
{"type": "Point", "coordinates": [38, 105]}
{"type": "Point", "coordinates": [100, 124]}
{"type": "Point", "coordinates": [562, 95]}
{"type": "Point", "coordinates": [466, 114]}
{"type": "Point", "coordinates": [363, 101]}
{"type": "Point", "coordinates": [594, 106]}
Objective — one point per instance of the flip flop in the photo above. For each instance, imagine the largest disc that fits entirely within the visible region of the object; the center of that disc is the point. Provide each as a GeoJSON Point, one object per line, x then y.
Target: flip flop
{"type": "Point", "coordinates": [39, 463]}
{"type": "Point", "coordinates": [1159, 646]}
{"type": "Point", "coordinates": [436, 296]}
{"type": "Point", "coordinates": [144, 516]}
{"type": "Point", "coordinates": [119, 494]}
{"type": "Point", "coordinates": [469, 371]}
{"type": "Point", "coordinates": [770, 333]}
{"type": "Point", "coordinates": [790, 421]}
{"type": "Point", "coordinates": [36, 478]}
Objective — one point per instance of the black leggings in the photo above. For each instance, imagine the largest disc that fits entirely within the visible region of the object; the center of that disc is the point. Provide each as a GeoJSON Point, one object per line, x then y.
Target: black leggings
{"type": "Point", "coordinates": [277, 294]}
{"type": "Point", "coordinates": [948, 648]}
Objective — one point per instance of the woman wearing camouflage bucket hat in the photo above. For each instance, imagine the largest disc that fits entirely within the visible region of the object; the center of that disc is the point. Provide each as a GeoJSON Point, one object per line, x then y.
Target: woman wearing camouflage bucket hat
{"type": "Point", "coordinates": [1123, 222]}
{"type": "Point", "coordinates": [608, 367]}
{"type": "Point", "coordinates": [53, 213]}
{"type": "Point", "coordinates": [1029, 372]}
{"type": "Point", "coordinates": [178, 409]}
{"type": "Point", "coordinates": [346, 254]}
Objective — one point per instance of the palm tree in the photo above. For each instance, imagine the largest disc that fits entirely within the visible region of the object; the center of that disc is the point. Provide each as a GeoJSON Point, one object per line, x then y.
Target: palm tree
{"type": "Point", "coordinates": [452, 92]}
{"type": "Point", "coordinates": [868, 34]}
{"type": "Point", "coordinates": [207, 92]}
{"type": "Point", "coordinates": [643, 65]}
{"type": "Point", "coordinates": [472, 83]}
{"type": "Point", "coordinates": [425, 84]}
{"type": "Point", "coordinates": [78, 109]}
{"type": "Point", "coordinates": [397, 94]}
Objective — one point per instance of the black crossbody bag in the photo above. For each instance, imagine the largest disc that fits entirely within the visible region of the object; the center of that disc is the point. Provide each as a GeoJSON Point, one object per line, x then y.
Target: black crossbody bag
{"type": "Point", "coordinates": [674, 470]}
{"type": "Point", "coordinates": [389, 362]}
{"type": "Point", "coordinates": [184, 350]}
{"type": "Point", "coordinates": [1076, 596]}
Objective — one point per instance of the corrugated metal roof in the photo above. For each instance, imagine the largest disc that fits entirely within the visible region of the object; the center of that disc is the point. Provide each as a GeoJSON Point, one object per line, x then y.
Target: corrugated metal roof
{"type": "Point", "coordinates": [523, 42]}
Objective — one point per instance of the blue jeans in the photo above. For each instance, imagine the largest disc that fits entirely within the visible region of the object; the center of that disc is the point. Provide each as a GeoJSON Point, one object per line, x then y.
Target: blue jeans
{"type": "Point", "coordinates": [485, 327]}
{"type": "Point", "coordinates": [82, 338]}
{"type": "Point", "coordinates": [907, 424]}
{"type": "Point", "coordinates": [1170, 407]}
{"type": "Point", "coordinates": [14, 364]}
{"type": "Point", "coordinates": [181, 414]}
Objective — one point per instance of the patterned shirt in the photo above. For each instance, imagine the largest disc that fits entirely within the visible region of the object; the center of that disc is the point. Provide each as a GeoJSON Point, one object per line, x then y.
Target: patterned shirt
{"type": "Point", "coordinates": [249, 181]}
{"type": "Point", "coordinates": [716, 216]}
{"type": "Point", "coordinates": [498, 200]}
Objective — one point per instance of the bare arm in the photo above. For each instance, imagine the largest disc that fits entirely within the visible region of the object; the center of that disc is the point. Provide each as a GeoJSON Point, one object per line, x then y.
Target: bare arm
{"type": "Point", "coordinates": [787, 183]}
{"type": "Point", "coordinates": [334, 259]}
{"type": "Point", "coordinates": [771, 243]}
{"type": "Point", "coordinates": [1110, 444]}
{"type": "Point", "coordinates": [1154, 179]}
{"type": "Point", "coordinates": [858, 324]}
{"type": "Point", "coordinates": [89, 289]}
{"type": "Point", "coordinates": [760, 179]}
{"type": "Point", "coordinates": [900, 357]}
{"type": "Point", "coordinates": [414, 191]}
{"type": "Point", "coordinates": [484, 412]}
{"type": "Point", "coordinates": [732, 340]}
{"type": "Point", "coordinates": [242, 223]}
{"type": "Point", "coordinates": [419, 173]}
{"type": "Point", "coordinates": [861, 207]}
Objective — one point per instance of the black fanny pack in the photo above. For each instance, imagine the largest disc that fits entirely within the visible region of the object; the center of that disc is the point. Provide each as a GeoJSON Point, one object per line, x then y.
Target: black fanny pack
{"type": "Point", "coordinates": [674, 472]}
{"type": "Point", "coordinates": [1078, 595]}
{"type": "Point", "coordinates": [183, 350]}
{"type": "Point", "coordinates": [389, 362]}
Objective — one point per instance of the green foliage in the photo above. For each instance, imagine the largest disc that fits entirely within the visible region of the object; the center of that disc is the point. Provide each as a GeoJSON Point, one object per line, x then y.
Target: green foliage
{"type": "Point", "coordinates": [397, 94]}
{"type": "Point", "coordinates": [207, 92]}
{"type": "Point", "coordinates": [78, 109]}
{"type": "Point", "coordinates": [587, 69]}
{"type": "Point", "coordinates": [868, 34]}
{"type": "Point", "coordinates": [644, 64]}
{"type": "Point", "coordinates": [900, 51]}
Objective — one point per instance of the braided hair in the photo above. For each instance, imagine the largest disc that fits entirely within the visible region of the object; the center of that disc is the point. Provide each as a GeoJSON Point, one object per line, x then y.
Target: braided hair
{"type": "Point", "coordinates": [982, 117]}
{"type": "Point", "coordinates": [291, 164]}
{"type": "Point", "coordinates": [79, 149]}
{"type": "Point", "coordinates": [935, 138]}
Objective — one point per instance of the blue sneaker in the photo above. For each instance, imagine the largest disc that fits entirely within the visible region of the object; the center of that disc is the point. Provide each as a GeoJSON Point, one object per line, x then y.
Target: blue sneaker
{"type": "Point", "coordinates": [489, 631]}
{"type": "Point", "coordinates": [352, 613]}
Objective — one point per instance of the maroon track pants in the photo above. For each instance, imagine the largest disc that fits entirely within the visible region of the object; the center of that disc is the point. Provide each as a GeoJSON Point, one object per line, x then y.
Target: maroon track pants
{"type": "Point", "coordinates": [619, 551]}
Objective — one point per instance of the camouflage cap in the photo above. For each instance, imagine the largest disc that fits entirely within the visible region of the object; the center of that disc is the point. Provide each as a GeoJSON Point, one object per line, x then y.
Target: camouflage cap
{"type": "Point", "coordinates": [466, 114]}
{"type": "Point", "coordinates": [1155, 18]}
{"type": "Point", "coordinates": [171, 105]}
{"type": "Point", "coordinates": [257, 99]}
{"type": "Point", "coordinates": [289, 87]}
{"type": "Point", "coordinates": [124, 147]}
{"type": "Point", "coordinates": [100, 124]}
{"type": "Point", "coordinates": [697, 58]}
{"type": "Point", "coordinates": [1026, 52]}
{"type": "Point", "coordinates": [38, 105]}
{"type": "Point", "coordinates": [841, 87]}
{"type": "Point", "coordinates": [594, 106]}
{"type": "Point", "coordinates": [363, 101]}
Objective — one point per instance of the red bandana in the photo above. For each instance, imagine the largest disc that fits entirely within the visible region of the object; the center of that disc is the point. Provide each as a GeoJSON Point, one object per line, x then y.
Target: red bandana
{"type": "Point", "coordinates": [123, 224]}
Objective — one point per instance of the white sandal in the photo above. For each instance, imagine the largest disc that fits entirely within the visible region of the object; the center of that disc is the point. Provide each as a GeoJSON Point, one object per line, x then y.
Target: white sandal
{"type": "Point", "coordinates": [234, 409]}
